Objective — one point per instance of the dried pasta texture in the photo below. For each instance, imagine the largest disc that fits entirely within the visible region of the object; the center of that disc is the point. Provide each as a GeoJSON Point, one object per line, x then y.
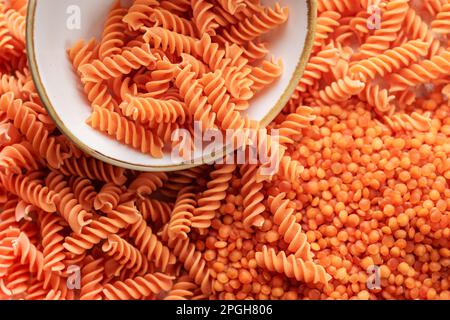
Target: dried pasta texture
{"type": "Point", "coordinates": [292, 267]}
{"type": "Point", "coordinates": [147, 76]}
{"type": "Point", "coordinates": [137, 288]}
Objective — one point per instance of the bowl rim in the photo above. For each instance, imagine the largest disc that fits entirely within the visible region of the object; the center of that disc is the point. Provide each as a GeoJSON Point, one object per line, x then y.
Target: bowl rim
{"type": "Point", "coordinates": [271, 115]}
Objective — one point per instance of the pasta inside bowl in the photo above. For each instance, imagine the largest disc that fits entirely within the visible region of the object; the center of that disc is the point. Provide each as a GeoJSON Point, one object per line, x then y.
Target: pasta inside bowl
{"type": "Point", "coordinates": [55, 26]}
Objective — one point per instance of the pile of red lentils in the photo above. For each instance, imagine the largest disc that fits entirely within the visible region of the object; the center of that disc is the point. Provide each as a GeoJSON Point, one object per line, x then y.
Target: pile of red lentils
{"type": "Point", "coordinates": [373, 203]}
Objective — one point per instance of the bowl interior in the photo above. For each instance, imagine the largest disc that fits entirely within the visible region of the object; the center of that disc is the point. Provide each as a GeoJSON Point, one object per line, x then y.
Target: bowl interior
{"type": "Point", "coordinates": [53, 28]}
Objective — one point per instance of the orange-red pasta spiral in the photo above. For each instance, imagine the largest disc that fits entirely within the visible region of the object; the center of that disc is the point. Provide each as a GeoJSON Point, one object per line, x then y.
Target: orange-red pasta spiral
{"type": "Point", "coordinates": [139, 13]}
{"type": "Point", "coordinates": [19, 157]}
{"type": "Point", "coordinates": [211, 198]}
{"type": "Point", "coordinates": [113, 38]}
{"type": "Point", "coordinates": [24, 119]}
{"type": "Point", "coordinates": [292, 267]}
{"type": "Point", "coordinates": [108, 198]}
{"type": "Point", "coordinates": [67, 204]}
{"type": "Point", "coordinates": [138, 288]}
{"type": "Point", "coordinates": [91, 279]}
{"type": "Point", "coordinates": [204, 17]}
{"type": "Point", "coordinates": [116, 65]}
{"type": "Point", "coordinates": [126, 131]}
{"type": "Point", "coordinates": [289, 229]}
{"type": "Point", "coordinates": [125, 254]}
{"type": "Point", "coordinates": [31, 190]}
{"type": "Point", "coordinates": [192, 260]}
{"type": "Point", "coordinates": [52, 240]}
{"type": "Point", "coordinates": [149, 244]}
{"type": "Point", "coordinates": [441, 23]}
{"type": "Point", "coordinates": [147, 109]}
{"type": "Point", "coordinates": [181, 217]}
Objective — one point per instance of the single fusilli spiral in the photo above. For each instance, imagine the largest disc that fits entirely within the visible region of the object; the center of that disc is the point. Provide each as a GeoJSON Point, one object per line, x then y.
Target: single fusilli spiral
{"type": "Point", "coordinates": [108, 198]}
{"type": "Point", "coordinates": [289, 228]}
{"type": "Point", "coordinates": [91, 279]}
{"type": "Point", "coordinates": [84, 192]}
{"type": "Point", "coordinates": [378, 98]}
{"type": "Point", "coordinates": [292, 267]}
{"type": "Point", "coordinates": [327, 22]}
{"type": "Point", "coordinates": [114, 66]}
{"type": "Point", "coordinates": [390, 61]}
{"type": "Point", "coordinates": [441, 23]}
{"type": "Point", "coordinates": [147, 109]}
{"type": "Point", "coordinates": [34, 130]}
{"type": "Point", "coordinates": [290, 169]}
{"type": "Point", "coordinates": [160, 80]}
{"type": "Point", "coordinates": [82, 52]}
{"type": "Point", "coordinates": [210, 200]}
{"type": "Point", "coordinates": [265, 75]}
{"type": "Point", "coordinates": [138, 288]}
{"type": "Point", "coordinates": [422, 72]}
{"type": "Point", "coordinates": [16, 24]}
{"type": "Point", "coordinates": [149, 244]}
{"type": "Point", "coordinates": [52, 240]}
{"type": "Point", "coordinates": [98, 94]}
{"type": "Point", "coordinates": [113, 38]}
{"type": "Point", "coordinates": [230, 61]}
{"type": "Point", "coordinates": [147, 182]}
{"type": "Point", "coordinates": [93, 169]}
{"type": "Point", "coordinates": [252, 195]}
{"type": "Point", "coordinates": [154, 210]}
{"type": "Point", "coordinates": [417, 28]}
{"type": "Point", "coordinates": [126, 131]}
{"type": "Point", "coordinates": [29, 255]}
{"type": "Point", "coordinates": [192, 260]}
{"type": "Point", "coordinates": [139, 13]}
{"type": "Point", "coordinates": [316, 67]}
{"type": "Point", "coordinates": [391, 23]}
{"type": "Point", "coordinates": [67, 204]}
{"type": "Point", "coordinates": [257, 25]}
{"type": "Point", "coordinates": [182, 213]}
{"type": "Point", "coordinates": [193, 95]}
{"type": "Point", "coordinates": [18, 157]}
{"type": "Point", "coordinates": [294, 124]}
{"type": "Point", "coordinates": [404, 122]}
{"type": "Point", "coordinates": [182, 290]}
{"type": "Point", "coordinates": [169, 41]}
{"type": "Point", "coordinates": [170, 21]}
{"type": "Point", "coordinates": [30, 190]}
{"type": "Point", "coordinates": [216, 92]}
{"type": "Point", "coordinates": [204, 17]}
{"type": "Point", "coordinates": [125, 254]}
{"type": "Point", "coordinates": [341, 90]}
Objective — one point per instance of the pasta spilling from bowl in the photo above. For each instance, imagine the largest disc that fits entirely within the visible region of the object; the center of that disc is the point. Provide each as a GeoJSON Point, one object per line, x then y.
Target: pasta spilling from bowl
{"type": "Point", "coordinates": [360, 208]}
{"type": "Point", "coordinates": [158, 68]}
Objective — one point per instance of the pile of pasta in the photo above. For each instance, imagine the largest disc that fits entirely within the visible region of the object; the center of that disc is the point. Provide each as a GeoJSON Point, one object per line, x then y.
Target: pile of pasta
{"type": "Point", "coordinates": [359, 210]}
{"type": "Point", "coordinates": [162, 66]}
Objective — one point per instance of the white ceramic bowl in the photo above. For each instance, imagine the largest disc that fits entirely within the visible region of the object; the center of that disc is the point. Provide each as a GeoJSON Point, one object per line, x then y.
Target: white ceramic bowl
{"type": "Point", "coordinates": [49, 37]}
